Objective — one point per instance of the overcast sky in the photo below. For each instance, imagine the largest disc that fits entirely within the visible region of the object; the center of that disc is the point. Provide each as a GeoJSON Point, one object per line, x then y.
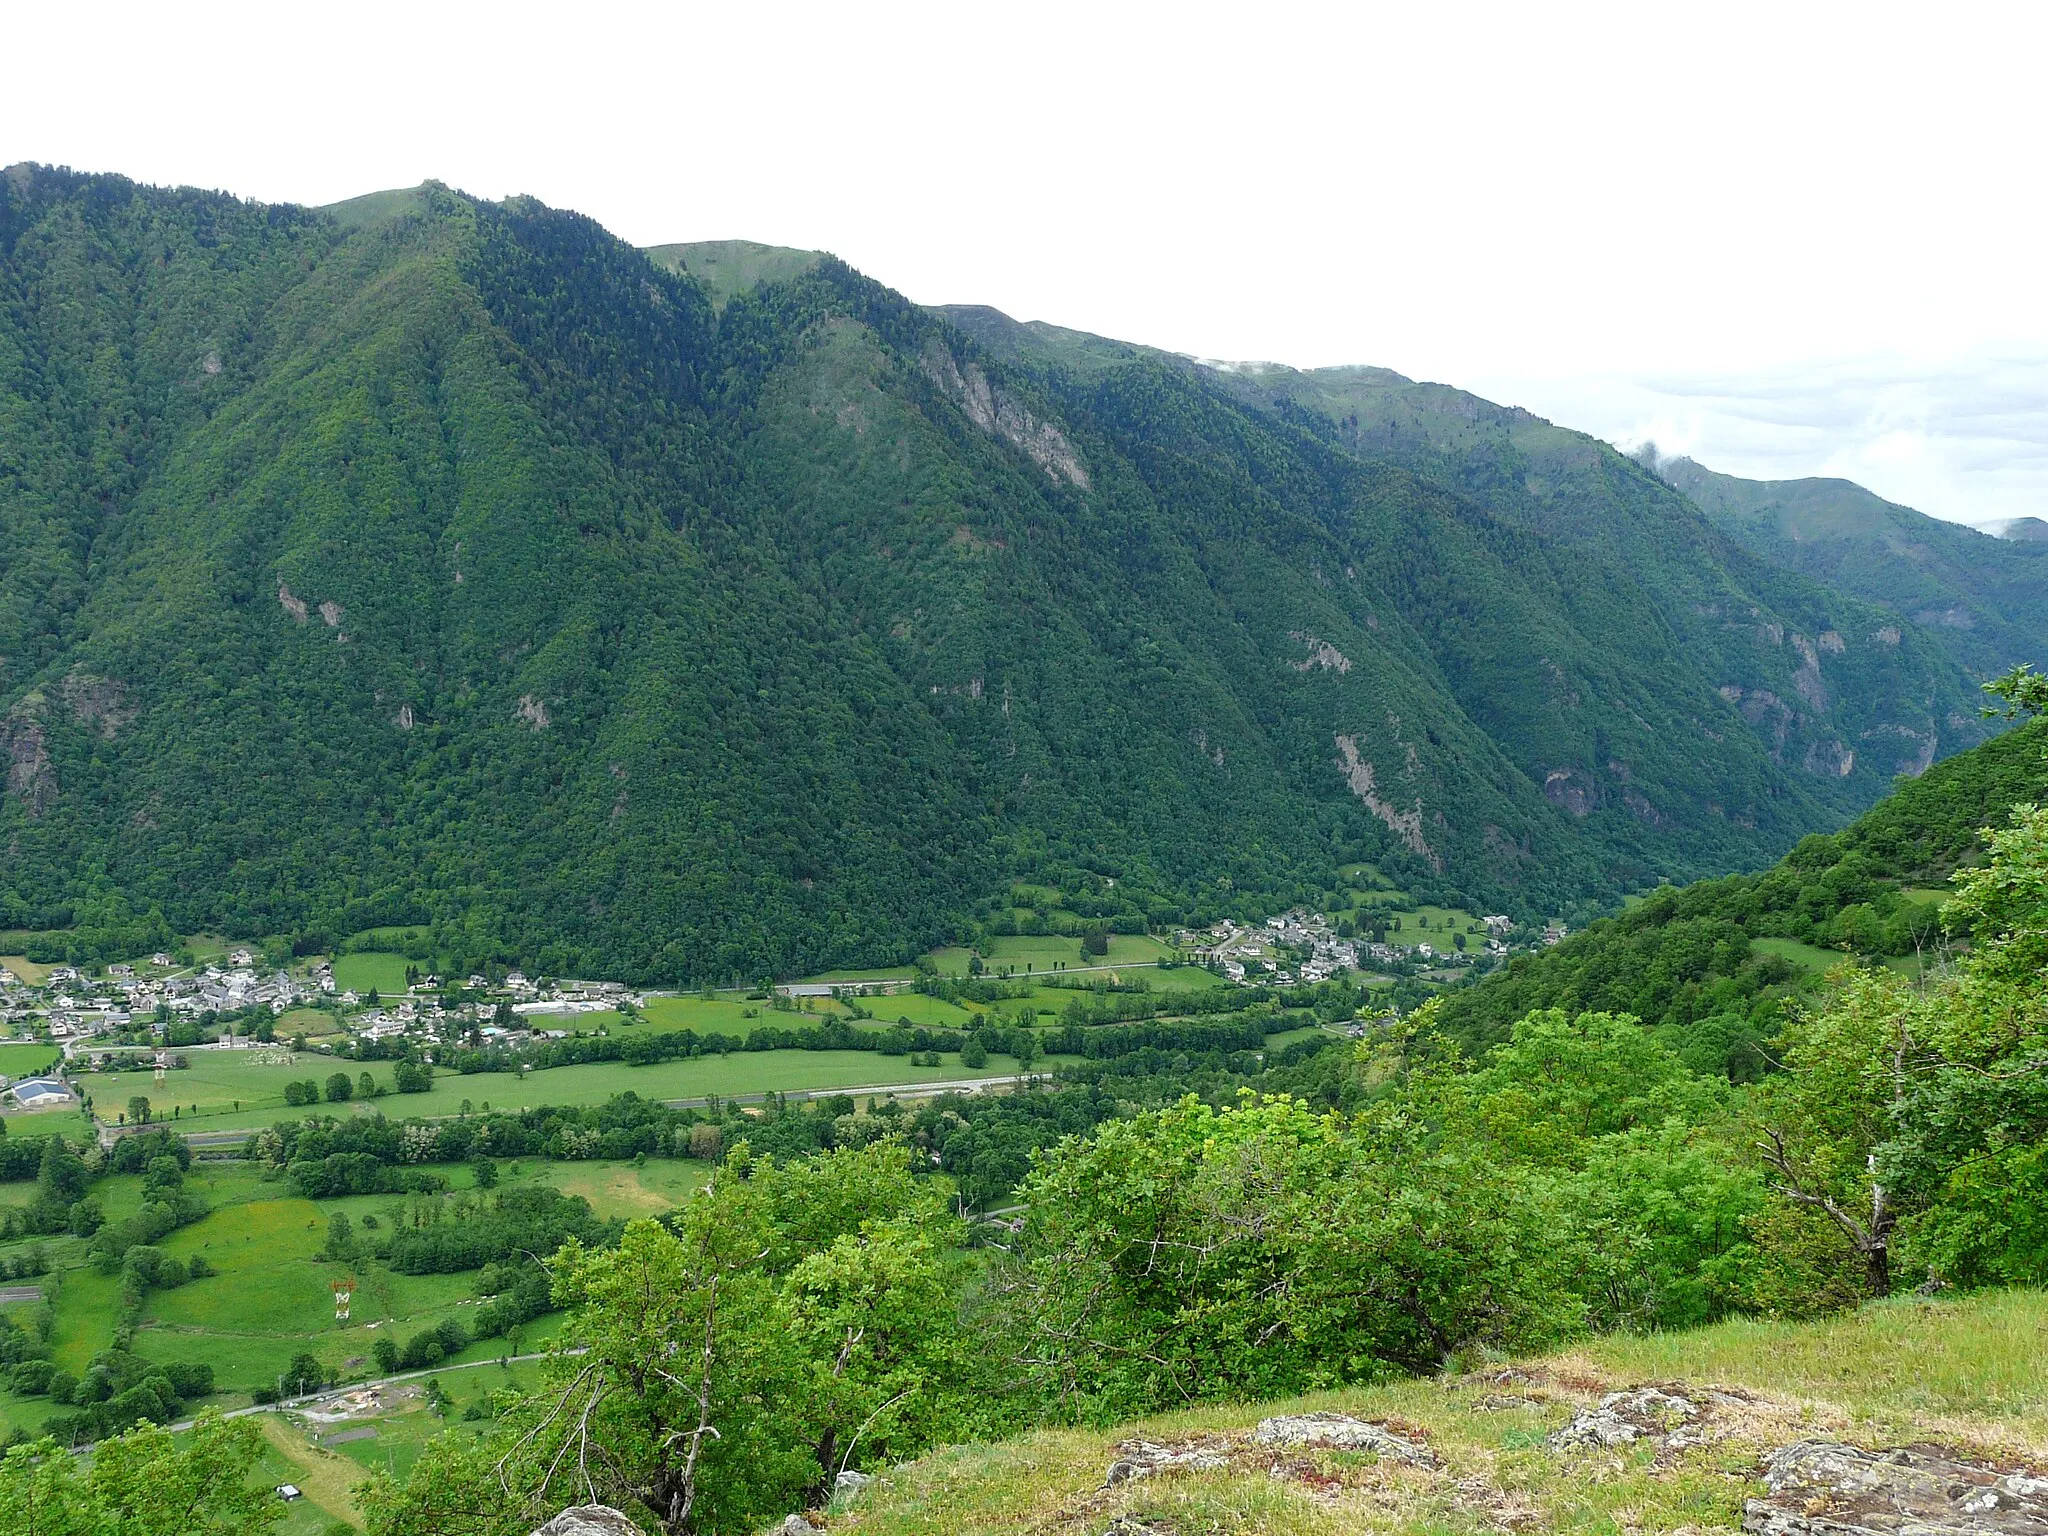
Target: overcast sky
{"type": "Point", "coordinates": [1786, 239]}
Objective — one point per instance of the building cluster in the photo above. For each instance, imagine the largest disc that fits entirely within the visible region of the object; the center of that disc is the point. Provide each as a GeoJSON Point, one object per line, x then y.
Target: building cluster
{"type": "Point", "coordinates": [1302, 946]}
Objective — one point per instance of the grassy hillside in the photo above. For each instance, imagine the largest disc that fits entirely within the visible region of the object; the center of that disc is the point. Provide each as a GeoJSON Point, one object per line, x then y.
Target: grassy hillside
{"type": "Point", "coordinates": [1986, 596]}
{"type": "Point", "coordinates": [439, 562]}
{"type": "Point", "coordinates": [1978, 1383]}
{"type": "Point", "coordinates": [1710, 962]}
{"type": "Point", "coordinates": [729, 267]}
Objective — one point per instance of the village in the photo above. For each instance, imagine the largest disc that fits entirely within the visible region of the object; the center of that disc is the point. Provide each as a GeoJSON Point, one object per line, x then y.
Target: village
{"type": "Point", "coordinates": [1305, 947]}
{"type": "Point", "coordinates": [142, 1014]}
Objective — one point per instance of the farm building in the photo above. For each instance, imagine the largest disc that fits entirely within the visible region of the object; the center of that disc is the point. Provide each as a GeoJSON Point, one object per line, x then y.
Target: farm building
{"type": "Point", "coordinates": [40, 1093]}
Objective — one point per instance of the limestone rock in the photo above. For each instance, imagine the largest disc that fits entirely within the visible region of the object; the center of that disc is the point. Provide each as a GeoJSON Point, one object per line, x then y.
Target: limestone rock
{"type": "Point", "coordinates": [1341, 1432]}
{"type": "Point", "coordinates": [850, 1482]}
{"type": "Point", "coordinates": [589, 1520]}
{"type": "Point", "coordinates": [1641, 1413]}
{"type": "Point", "coordinates": [796, 1525]}
{"type": "Point", "coordinates": [1822, 1488]}
{"type": "Point", "coordinates": [1141, 1458]}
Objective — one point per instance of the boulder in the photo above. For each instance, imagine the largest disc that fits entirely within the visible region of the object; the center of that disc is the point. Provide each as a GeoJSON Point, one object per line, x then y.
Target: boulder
{"type": "Point", "coordinates": [1641, 1413]}
{"type": "Point", "coordinates": [796, 1525]}
{"type": "Point", "coordinates": [1141, 1458]}
{"type": "Point", "coordinates": [1341, 1432]}
{"type": "Point", "coordinates": [589, 1520]}
{"type": "Point", "coordinates": [850, 1482]}
{"type": "Point", "coordinates": [1823, 1488]}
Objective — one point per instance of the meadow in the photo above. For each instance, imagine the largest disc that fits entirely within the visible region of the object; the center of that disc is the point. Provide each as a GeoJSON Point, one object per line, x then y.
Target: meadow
{"type": "Point", "coordinates": [218, 1081]}
{"type": "Point", "coordinates": [28, 1060]}
{"type": "Point", "coordinates": [271, 1297]}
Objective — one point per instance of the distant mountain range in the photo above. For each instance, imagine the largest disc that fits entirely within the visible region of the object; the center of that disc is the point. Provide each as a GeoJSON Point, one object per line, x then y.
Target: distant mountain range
{"type": "Point", "coordinates": [714, 611]}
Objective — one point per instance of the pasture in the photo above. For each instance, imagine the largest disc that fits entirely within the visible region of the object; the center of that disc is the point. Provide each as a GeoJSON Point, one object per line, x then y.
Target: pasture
{"type": "Point", "coordinates": [217, 1080]}
{"type": "Point", "coordinates": [29, 1060]}
{"type": "Point", "coordinates": [271, 1297]}
{"type": "Point", "coordinates": [1806, 956]}
{"type": "Point", "coordinates": [382, 969]}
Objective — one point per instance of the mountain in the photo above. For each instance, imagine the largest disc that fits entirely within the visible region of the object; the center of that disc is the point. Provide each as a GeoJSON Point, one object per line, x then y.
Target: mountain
{"type": "Point", "coordinates": [1813, 673]}
{"type": "Point", "coordinates": [434, 560]}
{"type": "Point", "coordinates": [1688, 960]}
{"type": "Point", "coordinates": [2031, 530]}
{"type": "Point", "coordinates": [1987, 596]}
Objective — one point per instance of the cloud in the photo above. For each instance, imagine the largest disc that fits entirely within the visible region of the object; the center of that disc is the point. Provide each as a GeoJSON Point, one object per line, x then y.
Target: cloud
{"type": "Point", "coordinates": [1965, 438]}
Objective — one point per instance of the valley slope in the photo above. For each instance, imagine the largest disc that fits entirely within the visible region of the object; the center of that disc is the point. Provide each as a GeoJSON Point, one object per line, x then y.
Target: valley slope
{"type": "Point", "coordinates": [442, 561]}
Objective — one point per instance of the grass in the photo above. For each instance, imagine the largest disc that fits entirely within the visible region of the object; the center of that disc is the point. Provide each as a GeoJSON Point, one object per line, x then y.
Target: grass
{"type": "Point", "coordinates": [1807, 957]}
{"type": "Point", "coordinates": [1041, 951]}
{"type": "Point", "coordinates": [743, 1072]}
{"type": "Point", "coordinates": [325, 1478]}
{"type": "Point", "coordinates": [271, 1297]}
{"type": "Point", "coordinates": [28, 970]}
{"type": "Point", "coordinates": [382, 969]}
{"type": "Point", "coordinates": [1971, 1372]}
{"type": "Point", "coordinates": [19, 1061]}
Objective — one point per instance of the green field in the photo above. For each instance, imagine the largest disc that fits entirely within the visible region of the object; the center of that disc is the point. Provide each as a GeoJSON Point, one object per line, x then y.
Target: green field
{"type": "Point", "coordinates": [381, 969]}
{"type": "Point", "coordinates": [271, 1297]}
{"type": "Point", "coordinates": [19, 1061]}
{"type": "Point", "coordinates": [217, 1079]}
{"type": "Point", "coordinates": [1806, 956]}
{"type": "Point", "coordinates": [1040, 952]}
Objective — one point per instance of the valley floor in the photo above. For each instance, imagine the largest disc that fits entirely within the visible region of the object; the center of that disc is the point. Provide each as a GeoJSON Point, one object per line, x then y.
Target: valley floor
{"type": "Point", "coordinates": [1969, 1376]}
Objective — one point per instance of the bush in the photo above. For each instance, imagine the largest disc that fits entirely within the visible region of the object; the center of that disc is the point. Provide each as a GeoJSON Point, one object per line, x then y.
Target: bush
{"type": "Point", "coordinates": [190, 1378]}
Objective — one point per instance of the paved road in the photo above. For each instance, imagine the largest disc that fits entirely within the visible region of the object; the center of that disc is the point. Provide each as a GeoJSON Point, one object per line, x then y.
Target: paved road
{"type": "Point", "coordinates": [312, 1398]}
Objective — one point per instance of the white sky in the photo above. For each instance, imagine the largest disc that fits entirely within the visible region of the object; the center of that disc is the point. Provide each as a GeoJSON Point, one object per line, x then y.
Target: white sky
{"type": "Point", "coordinates": [1785, 238]}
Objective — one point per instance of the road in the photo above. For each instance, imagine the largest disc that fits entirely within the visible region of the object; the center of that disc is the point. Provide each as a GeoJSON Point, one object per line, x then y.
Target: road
{"type": "Point", "coordinates": [353, 1386]}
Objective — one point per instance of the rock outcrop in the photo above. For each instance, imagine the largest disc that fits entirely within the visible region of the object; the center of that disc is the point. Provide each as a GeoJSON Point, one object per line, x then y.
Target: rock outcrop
{"type": "Point", "coordinates": [1823, 1488]}
{"type": "Point", "coordinates": [1341, 1432]}
{"type": "Point", "coordinates": [589, 1520]}
{"type": "Point", "coordinates": [1662, 1414]}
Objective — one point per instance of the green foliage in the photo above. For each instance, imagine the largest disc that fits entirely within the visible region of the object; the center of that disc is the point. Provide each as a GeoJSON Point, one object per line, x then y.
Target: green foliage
{"type": "Point", "coordinates": [141, 1483]}
{"type": "Point", "coordinates": [1686, 960]}
{"type": "Point", "coordinates": [1268, 1249]}
{"type": "Point", "coordinates": [472, 574]}
{"type": "Point", "coordinates": [792, 1319]}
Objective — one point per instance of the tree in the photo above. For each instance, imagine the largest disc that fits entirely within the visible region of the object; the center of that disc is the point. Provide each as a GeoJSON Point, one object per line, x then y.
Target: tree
{"type": "Point", "coordinates": [142, 1483]}
{"type": "Point", "coordinates": [138, 1110]}
{"type": "Point", "coordinates": [304, 1374]}
{"type": "Point", "coordinates": [366, 1086]}
{"type": "Point", "coordinates": [799, 1316]}
{"type": "Point", "coordinates": [340, 1088]}
{"type": "Point", "coordinates": [341, 1237]}
{"type": "Point", "coordinates": [2024, 691]}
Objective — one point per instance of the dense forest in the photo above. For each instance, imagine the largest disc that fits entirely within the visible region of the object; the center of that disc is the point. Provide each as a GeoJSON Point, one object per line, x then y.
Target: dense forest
{"type": "Point", "coordinates": [448, 562]}
{"type": "Point", "coordinates": [1685, 959]}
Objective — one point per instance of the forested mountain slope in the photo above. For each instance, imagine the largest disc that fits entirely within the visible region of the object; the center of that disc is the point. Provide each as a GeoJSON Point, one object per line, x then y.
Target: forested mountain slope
{"type": "Point", "coordinates": [1986, 596]}
{"type": "Point", "coordinates": [1819, 677]}
{"type": "Point", "coordinates": [1686, 960]}
{"type": "Point", "coordinates": [435, 560]}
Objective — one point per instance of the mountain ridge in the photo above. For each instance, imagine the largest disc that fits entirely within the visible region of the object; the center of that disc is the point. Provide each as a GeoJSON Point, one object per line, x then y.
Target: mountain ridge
{"type": "Point", "coordinates": [455, 563]}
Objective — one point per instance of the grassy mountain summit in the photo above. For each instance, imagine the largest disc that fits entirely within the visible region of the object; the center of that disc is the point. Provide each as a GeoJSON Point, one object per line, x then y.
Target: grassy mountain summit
{"type": "Point", "coordinates": [443, 561]}
{"type": "Point", "coordinates": [729, 267]}
{"type": "Point", "coordinates": [1986, 596]}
